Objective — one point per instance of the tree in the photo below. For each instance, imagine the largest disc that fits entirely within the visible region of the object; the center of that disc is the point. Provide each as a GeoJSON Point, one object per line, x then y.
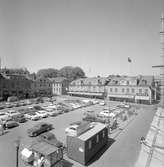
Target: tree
{"type": "Point", "coordinates": [47, 73]}
{"type": "Point", "coordinates": [71, 73]}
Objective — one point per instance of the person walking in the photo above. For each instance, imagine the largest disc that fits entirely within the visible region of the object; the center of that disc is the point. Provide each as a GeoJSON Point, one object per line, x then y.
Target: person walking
{"type": "Point", "coordinates": [1, 128]}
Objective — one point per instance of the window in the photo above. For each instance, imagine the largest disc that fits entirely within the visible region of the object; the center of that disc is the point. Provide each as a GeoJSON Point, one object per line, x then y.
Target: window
{"type": "Point", "coordinates": [133, 90]}
{"type": "Point", "coordinates": [90, 144]}
{"type": "Point", "coordinates": [127, 90]}
{"type": "Point", "coordinates": [115, 89]}
{"type": "Point", "coordinates": [110, 89]}
{"type": "Point", "coordinates": [97, 138]}
{"type": "Point", "coordinates": [140, 90]}
{"type": "Point", "coordinates": [103, 133]}
{"type": "Point", "coordinates": [123, 89]}
{"type": "Point", "coordinates": [127, 82]}
{"type": "Point", "coordinates": [13, 85]}
{"type": "Point", "coordinates": [146, 91]}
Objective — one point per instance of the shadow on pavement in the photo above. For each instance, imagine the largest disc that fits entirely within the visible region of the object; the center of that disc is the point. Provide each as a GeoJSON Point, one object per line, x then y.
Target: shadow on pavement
{"type": "Point", "coordinates": [67, 163]}
{"type": "Point", "coordinates": [101, 152]}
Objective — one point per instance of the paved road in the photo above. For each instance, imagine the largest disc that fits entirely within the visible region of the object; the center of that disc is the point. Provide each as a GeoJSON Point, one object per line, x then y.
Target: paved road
{"type": "Point", "coordinates": [124, 151]}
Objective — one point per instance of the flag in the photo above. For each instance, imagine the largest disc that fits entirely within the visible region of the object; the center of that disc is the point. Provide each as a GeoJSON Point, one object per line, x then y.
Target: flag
{"type": "Point", "coordinates": [129, 60]}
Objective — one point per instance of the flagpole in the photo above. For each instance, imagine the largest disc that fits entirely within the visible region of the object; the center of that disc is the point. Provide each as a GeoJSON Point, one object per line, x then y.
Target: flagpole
{"type": "Point", "coordinates": [129, 61]}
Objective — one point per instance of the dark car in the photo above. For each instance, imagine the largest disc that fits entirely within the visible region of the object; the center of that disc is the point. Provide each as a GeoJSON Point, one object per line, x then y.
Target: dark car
{"type": "Point", "coordinates": [39, 128]}
{"type": "Point", "coordinates": [51, 139]}
{"type": "Point", "coordinates": [10, 123]}
{"type": "Point", "coordinates": [21, 118]}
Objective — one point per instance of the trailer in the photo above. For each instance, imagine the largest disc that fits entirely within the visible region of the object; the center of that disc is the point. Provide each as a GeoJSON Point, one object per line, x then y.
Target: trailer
{"type": "Point", "coordinates": [84, 147]}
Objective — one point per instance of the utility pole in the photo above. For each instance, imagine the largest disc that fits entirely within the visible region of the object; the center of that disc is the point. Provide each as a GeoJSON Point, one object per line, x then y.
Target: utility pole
{"type": "Point", "coordinates": [162, 63]}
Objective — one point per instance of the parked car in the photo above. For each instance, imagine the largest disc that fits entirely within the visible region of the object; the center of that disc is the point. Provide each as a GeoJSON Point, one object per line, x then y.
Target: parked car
{"type": "Point", "coordinates": [12, 113]}
{"type": "Point", "coordinates": [105, 113]}
{"type": "Point", "coordinates": [3, 116]}
{"type": "Point", "coordinates": [124, 105]}
{"type": "Point", "coordinates": [39, 128]}
{"type": "Point", "coordinates": [72, 130]}
{"type": "Point", "coordinates": [102, 103]}
{"type": "Point", "coordinates": [37, 107]}
{"type": "Point", "coordinates": [21, 118]}
{"type": "Point", "coordinates": [42, 114]}
{"type": "Point", "coordinates": [10, 123]}
{"type": "Point", "coordinates": [51, 112]}
{"type": "Point", "coordinates": [51, 138]}
{"type": "Point", "coordinates": [32, 116]}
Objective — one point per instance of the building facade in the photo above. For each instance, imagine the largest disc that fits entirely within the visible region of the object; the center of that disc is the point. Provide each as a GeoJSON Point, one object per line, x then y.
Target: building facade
{"type": "Point", "coordinates": [59, 85]}
{"type": "Point", "coordinates": [140, 89]}
{"type": "Point", "coordinates": [90, 87]}
{"type": "Point", "coordinates": [131, 89]}
{"type": "Point", "coordinates": [15, 85]}
{"type": "Point", "coordinates": [41, 87]}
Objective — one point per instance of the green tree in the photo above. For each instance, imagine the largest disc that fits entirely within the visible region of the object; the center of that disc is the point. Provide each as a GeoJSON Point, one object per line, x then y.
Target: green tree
{"type": "Point", "coordinates": [47, 73]}
{"type": "Point", "coordinates": [71, 73]}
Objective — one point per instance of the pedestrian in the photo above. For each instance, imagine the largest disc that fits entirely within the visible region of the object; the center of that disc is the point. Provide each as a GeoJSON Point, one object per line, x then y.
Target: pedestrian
{"type": "Point", "coordinates": [1, 129]}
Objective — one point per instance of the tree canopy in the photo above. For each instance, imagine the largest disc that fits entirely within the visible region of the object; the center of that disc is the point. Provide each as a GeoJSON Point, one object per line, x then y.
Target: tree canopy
{"type": "Point", "coordinates": [47, 73]}
{"type": "Point", "coordinates": [69, 72]}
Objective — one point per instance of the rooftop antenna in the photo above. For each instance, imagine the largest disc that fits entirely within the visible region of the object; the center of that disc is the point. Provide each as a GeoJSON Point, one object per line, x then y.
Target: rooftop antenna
{"type": "Point", "coordinates": [162, 63]}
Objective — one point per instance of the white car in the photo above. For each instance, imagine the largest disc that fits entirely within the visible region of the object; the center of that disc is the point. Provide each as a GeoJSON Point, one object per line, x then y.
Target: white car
{"type": "Point", "coordinates": [102, 103]}
{"type": "Point", "coordinates": [72, 130]}
{"type": "Point", "coordinates": [12, 113]}
{"type": "Point", "coordinates": [51, 112]}
{"type": "Point", "coordinates": [3, 116]}
{"type": "Point", "coordinates": [32, 116]}
{"type": "Point", "coordinates": [105, 113]}
{"type": "Point", "coordinates": [94, 101]}
{"type": "Point", "coordinates": [42, 114]}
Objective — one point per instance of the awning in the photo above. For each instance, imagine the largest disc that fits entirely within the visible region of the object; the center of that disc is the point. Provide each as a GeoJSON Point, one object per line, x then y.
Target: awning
{"type": "Point", "coordinates": [142, 98]}
{"type": "Point", "coordinates": [121, 96]}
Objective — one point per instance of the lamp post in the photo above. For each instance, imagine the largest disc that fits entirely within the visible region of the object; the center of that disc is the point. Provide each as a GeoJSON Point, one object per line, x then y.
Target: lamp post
{"type": "Point", "coordinates": [17, 144]}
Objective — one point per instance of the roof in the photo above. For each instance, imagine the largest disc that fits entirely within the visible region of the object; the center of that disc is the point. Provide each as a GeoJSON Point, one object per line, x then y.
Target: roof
{"type": "Point", "coordinates": [132, 80]}
{"type": "Point", "coordinates": [146, 80]}
{"type": "Point", "coordinates": [90, 81]}
{"type": "Point", "coordinates": [43, 148]}
{"type": "Point", "coordinates": [88, 134]}
{"type": "Point", "coordinates": [58, 79]}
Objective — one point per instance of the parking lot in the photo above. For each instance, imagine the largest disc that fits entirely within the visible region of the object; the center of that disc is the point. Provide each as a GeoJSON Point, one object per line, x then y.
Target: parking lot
{"type": "Point", "coordinates": [60, 122]}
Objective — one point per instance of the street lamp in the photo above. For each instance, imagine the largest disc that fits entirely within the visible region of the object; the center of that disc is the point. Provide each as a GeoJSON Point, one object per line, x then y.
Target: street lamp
{"type": "Point", "coordinates": [17, 144]}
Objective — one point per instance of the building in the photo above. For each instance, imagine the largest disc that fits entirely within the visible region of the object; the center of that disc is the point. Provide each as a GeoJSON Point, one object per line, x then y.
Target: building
{"type": "Point", "coordinates": [89, 87]}
{"type": "Point", "coordinates": [59, 85]}
{"type": "Point", "coordinates": [162, 63]}
{"type": "Point", "coordinates": [140, 89]}
{"type": "Point", "coordinates": [15, 85]}
{"type": "Point", "coordinates": [82, 148]}
{"type": "Point", "coordinates": [42, 87]}
{"type": "Point", "coordinates": [131, 89]}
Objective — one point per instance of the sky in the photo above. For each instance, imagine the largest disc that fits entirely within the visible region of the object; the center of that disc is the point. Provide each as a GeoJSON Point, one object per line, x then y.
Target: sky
{"type": "Point", "coordinates": [96, 35]}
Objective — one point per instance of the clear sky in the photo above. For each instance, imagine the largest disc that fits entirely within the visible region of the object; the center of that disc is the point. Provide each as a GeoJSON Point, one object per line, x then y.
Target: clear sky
{"type": "Point", "coordinates": [97, 35]}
